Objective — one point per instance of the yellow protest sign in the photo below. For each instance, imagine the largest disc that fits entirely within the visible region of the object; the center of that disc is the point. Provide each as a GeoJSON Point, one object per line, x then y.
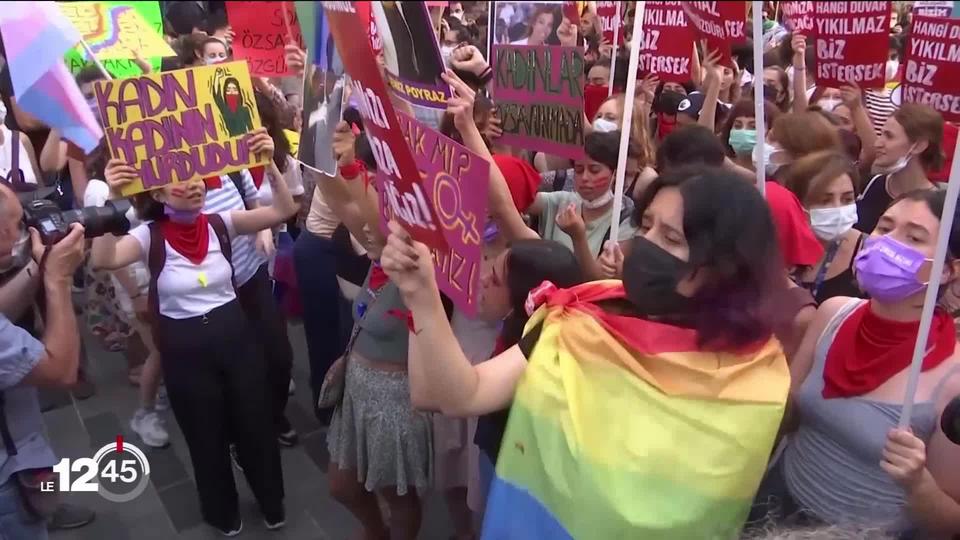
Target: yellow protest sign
{"type": "Point", "coordinates": [115, 30]}
{"type": "Point", "coordinates": [180, 125]}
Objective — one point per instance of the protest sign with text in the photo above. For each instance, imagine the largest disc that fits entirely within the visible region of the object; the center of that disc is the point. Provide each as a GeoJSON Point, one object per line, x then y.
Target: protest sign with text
{"type": "Point", "coordinates": [852, 42]}
{"type": "Point", "coordinates": [115, 29]}
{"type": "Point", "coordinates": [611, 17]}
{"type": "Point", "coordinates": [411, 53]}
{"type": "Point", "coordinates": [397, 173]}
{"type": "Point", "coordinates": [932, 74]}
{"type": "Point", "coordinates": [667, 44]}
{"type": "Point", "coordinates": [180, 125]}
{"type": "Point", "coordinates": [539, 91]}
{"type": "Point", "coordinates": [935, 8]}
{"type": "Point", "coordinates": [455, 180]}
{"type": "Point", "coordinates": [798, 17]}
{"type": "Point", "coordinates": [721, 24]}
{"type": "Point", "coordinates": [261, 30]}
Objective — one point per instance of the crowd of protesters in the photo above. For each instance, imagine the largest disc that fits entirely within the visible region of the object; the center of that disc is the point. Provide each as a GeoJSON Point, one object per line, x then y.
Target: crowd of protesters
{"type": "Point", "coordinates": [832, 260]}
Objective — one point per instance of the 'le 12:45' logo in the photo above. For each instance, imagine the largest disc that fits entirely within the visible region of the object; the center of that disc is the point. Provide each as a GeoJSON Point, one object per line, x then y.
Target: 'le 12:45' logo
{"type": "Point", "coordinates": [119, 472]}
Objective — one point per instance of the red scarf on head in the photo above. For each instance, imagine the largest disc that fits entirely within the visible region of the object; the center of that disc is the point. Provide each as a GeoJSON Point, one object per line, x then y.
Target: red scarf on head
{"type": "Point", "coordinates": [868, 350]}
{"type": "Point", "coordinates": [192, 240]}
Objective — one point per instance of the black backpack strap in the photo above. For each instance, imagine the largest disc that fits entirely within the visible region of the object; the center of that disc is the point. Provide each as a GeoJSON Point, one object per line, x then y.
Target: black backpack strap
{"type": "Point", "coordinates": [220, 229]}
{"type": "Point", "coordinates": [15, 176]}
{"type": "Point", "coordinates": [237, 178]}
{"type": "Point", "coordinates": [5, 429]}
{"type": "Point", "coordinates": [156, 260]}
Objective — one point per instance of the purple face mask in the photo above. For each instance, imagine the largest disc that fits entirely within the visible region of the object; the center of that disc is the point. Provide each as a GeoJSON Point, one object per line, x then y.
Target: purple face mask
{"type": "Point", "coordinates": [887, 270]}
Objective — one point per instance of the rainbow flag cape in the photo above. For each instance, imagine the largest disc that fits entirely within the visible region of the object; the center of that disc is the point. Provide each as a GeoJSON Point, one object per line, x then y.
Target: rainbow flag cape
{"type": "Point", "coordinates": [623, 428]}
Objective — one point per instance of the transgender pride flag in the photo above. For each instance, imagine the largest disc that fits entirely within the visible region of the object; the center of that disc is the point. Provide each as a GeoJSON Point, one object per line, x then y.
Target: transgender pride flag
{"type": "Point", "coordinates": [36, 36]}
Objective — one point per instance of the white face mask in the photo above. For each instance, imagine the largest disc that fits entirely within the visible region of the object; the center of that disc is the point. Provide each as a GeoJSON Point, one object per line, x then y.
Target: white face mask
{"type": "Point", "coordinates": [830, 223]}
{"type": "Point", "coordinates": [897, 166]}
{"type": "Point", "coordinates": [445, 52]}
{"type": "Point", "coordinates": [604, 126]}
{"type": "Point", "coordinates": [771, 164]}
{"type": "Point", "coordinates": [599, 202]}
{"type": "Point", "coordinates": [892, 67]}
{"type": "Point", "coordinates": [829, 104]}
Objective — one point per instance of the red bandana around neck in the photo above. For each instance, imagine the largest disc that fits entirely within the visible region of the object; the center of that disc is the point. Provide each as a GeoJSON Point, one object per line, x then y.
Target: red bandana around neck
{"type": "Point", "coordinates": [868, 350]}
{"type": "Point", "coordinates": [192, 240]}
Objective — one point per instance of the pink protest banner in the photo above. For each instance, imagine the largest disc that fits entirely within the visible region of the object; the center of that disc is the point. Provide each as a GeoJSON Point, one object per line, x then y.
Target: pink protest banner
{"type": "Point", "coordinates": [610, 16]}
{"type": "Point", "coordinates": [539, 91]}
{"type": "Point", "coordinates": [852, 40]}
{"type": "Point", "coordinates": [455, 180]}
{"type": "Point", "coordinates": [261, 30]}
{"type": "Point", "coordinates": [397, 173]}
{"type": "Point", "coordinates": [721, 24]}
{"type": "Point", "coordinates": [667, 45]}
{"type": "Point", "coordinates": [798, 17]}
{"type": "Point", "coordinates": [932, 76]}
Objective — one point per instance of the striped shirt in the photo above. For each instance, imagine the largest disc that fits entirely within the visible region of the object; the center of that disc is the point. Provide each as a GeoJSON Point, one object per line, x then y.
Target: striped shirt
{"type": "Point", "coordinates": [879, 108]}
{"type": "Point", "coordinates": [246, 260]}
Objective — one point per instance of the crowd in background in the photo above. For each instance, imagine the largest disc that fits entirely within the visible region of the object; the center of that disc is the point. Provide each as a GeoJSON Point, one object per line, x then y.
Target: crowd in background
{"type": "Point", "coordinates": [832, 260]}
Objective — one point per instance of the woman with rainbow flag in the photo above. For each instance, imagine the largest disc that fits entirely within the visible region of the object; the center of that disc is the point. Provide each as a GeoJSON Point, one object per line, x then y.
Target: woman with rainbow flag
{"type": "Point", "coordinates": [639, 409]}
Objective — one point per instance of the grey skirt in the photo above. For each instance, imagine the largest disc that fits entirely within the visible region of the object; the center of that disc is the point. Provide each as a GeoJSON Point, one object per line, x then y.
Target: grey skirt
{"type": "Point", "coordinates": [376, 431]}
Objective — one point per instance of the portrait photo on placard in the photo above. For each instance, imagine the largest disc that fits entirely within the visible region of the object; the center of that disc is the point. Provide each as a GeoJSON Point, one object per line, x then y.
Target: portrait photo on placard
{"type": "Point", "coordinates": [527, 23]}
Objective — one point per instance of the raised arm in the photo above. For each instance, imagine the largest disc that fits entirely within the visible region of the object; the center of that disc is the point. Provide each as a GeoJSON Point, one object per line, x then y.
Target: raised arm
{"type": "Point", "coordinates": [283, 207]}
{"type": "Point", "coordinates": [712, 73]}
{"type": "Point", "coordinates": [799, 44]}
{"type": "Point", "coordinates": [53, 155]}
{"type": "Point", "coordinates": [501, 206]}
{"type": "Point", "coordinates": [109, 252]}
{"type": "Point", "coordinates": [444, 376]}
{"type": "Point", "coordinates": [853, 98]}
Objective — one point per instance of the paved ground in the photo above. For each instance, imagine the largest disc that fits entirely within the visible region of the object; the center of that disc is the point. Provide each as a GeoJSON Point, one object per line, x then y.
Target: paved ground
{"type": "Point", "coordinates": [169, 507]}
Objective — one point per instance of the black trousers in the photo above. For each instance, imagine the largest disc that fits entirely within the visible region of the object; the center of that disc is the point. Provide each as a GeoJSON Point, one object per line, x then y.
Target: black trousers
{"type": "Point", "coordinates": [214, 379]}
{"type": "Point", "coordinates": [269, 329]}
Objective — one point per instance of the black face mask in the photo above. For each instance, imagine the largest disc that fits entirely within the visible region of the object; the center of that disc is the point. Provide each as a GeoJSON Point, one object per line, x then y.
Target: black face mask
{"type": "Point", "coordinates": [650, 277]}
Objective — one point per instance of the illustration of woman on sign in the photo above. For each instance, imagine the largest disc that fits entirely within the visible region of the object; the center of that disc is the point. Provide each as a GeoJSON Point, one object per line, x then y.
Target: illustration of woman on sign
{"type": "Point", "coordinates": [234, 106]}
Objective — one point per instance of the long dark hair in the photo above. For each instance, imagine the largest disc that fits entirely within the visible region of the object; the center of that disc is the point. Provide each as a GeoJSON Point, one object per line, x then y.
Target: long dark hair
{"type": "Point", "coordinates": [730, 234]}
{"type": "Point", "coordinates": [271, 120]}
{"type": "Point", "coordinates": [530, 263]}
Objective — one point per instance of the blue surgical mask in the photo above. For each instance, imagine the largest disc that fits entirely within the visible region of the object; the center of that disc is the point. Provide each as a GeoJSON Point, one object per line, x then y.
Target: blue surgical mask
{"type": "Point", "coordinates": [742, 141]}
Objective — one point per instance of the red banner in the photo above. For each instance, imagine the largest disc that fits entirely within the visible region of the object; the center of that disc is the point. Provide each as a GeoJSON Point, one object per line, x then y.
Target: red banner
{"type": "Point", "coordinates": [721, 24]}
{"type": "Point", "coordinates": [798, 17]}
{"type": "Point", "coordinates": [611, 17]}
{"type": "Point", "coordinates": [370, 26]}
{"type": "Point", "coordinates": [261, 33]}
{"type": "Point", "coordinates": [667, 42]}
{"type": "Point", "coordinates": [932, 76]}
{"type": "Point", "coordinates": [396, 170]}
{"type": "Point", "coordinates": [852, 40]}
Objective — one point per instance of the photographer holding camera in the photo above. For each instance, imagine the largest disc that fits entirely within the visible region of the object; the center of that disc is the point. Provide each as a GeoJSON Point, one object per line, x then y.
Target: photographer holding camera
{"type": "Point", "coordinates": [27, 363]}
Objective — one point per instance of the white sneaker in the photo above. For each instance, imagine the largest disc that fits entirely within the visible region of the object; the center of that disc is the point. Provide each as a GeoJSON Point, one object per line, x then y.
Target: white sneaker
{"type": "Point", "coordinates": [292, 388]}
{"type": "Point", "coordinates": [162, 402]}
{"type": "Point", "coordinates": [149, 426]}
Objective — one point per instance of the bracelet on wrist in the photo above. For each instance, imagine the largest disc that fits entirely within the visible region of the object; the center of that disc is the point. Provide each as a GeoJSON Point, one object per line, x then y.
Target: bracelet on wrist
{"type": "Point", "coordinates": [352, 170]}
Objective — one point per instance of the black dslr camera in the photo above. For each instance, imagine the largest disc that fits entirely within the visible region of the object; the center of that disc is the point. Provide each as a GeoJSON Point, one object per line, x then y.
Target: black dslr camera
{"type": "Point", "coordinates": [53, 223]}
